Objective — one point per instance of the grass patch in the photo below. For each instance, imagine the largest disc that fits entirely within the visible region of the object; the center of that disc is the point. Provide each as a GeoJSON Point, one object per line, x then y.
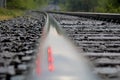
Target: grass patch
{"type": "Point", "coordinates": [8, 14]}
{"type": "Point", "coordinates": [2, 17]}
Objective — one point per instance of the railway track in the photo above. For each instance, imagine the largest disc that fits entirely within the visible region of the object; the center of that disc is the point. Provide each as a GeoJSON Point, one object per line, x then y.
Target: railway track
{"type": "Point", "coordinates": [98, 39]}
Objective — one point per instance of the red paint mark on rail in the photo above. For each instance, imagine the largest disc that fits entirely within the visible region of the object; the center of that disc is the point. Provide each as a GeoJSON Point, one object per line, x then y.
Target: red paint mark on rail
{"type": "Point", "coordinates": [50, 60]}
{"type": "Point", "coordinates": [38, 67]}
{"type": "Point", "coordinates": [51, 67]}
{"type": "Point", "coordinates": [49, 50]}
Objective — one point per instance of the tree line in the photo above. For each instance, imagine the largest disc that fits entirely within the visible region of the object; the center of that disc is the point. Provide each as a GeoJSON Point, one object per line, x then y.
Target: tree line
{"type": "Point", "coordinates": [91, 5]}
{"type": "Point", "coordinates": [25, 4]}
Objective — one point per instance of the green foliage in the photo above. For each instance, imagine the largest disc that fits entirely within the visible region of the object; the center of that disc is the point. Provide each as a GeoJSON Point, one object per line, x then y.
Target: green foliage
{"type": "Point", "coordinates": [92, 5]}
{"type": "Point", "coordinates": [13, 13]}
{"type": "Point", "coordinates": [80, 5]}
{"type": "Point", "coordinates": [112, 6]}
{"type": "Point", "coordinates": [17, 7]}
{"type": "Point", "coordinates": [25, 4]}
{"type": "Point", "coordinates": [41, 3]}
{"type": "Point", "coordinates": [20, 4]}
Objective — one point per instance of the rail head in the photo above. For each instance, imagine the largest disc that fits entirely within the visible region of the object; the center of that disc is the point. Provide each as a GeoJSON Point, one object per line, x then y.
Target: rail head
{"type": "Point", "coordinates": [109, 17]}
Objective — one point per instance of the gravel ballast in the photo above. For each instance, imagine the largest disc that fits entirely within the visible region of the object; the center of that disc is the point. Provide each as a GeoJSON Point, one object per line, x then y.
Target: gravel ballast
{"type": "Point", "coordinates": [99, 40]}
{"type": "Point", "coordinates": [19, 39]}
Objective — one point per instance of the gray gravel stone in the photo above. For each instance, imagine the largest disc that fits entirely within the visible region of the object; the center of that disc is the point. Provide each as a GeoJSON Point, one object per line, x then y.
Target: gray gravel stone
{"type": "Point", "coordinates": [18, 41]}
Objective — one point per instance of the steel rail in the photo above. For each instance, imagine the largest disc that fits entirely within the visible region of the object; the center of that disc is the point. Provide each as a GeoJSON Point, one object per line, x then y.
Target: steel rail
{"type": "Point", "coordinates": [52, 24]}
{"type": "Point", "coordinates": [110, 17]}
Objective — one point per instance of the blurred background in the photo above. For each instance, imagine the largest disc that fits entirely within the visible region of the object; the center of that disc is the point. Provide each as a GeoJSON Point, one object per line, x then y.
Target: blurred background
{"type": "Point", "coordinates": [12, 8]}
